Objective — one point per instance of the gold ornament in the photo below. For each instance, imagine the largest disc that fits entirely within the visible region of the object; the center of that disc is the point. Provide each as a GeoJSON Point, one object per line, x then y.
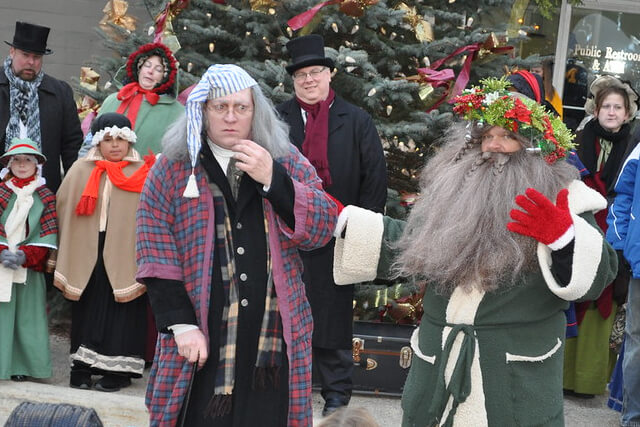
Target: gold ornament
{"type": "Point", "coordinates": [164, 24]}
{"type": "Point", "coordinates": [492, 42]}
{"type": "Point", "coordinates": [89, 78]}
{"type": "Point", "coordinates": [425, 90]}
{"type": "Point", "coordinates": [422, 29]}
{"type": "Point", "coordinates": [169, 37]}
{"type": "Point", "coordinates": [263, 6]}
{"type": "Point", "coordinates": [116, 14]}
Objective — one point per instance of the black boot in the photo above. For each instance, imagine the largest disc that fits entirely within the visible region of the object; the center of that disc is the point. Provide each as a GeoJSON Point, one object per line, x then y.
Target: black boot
{"type": "Point", "coordinates": [113, 382]}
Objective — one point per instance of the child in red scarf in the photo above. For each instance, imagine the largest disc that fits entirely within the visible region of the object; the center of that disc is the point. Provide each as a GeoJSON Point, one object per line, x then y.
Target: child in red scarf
{"type": "Point", "coordinates": [28, 231]}
{"type": "Point", "coordinates": [96, 267]}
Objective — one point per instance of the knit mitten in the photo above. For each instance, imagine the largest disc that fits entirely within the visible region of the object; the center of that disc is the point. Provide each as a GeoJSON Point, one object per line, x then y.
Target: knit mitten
{"type": "Point", "coordinates": [539, 218]}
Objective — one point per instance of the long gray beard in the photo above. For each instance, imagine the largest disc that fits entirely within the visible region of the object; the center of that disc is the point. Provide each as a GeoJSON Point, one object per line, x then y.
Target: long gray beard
{"type": "Point", "coordinates": [456, 233]}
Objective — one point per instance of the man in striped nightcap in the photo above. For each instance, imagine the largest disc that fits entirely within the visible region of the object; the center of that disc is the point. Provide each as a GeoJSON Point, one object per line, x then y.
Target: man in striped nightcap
{"type": "Point", "coordinates": [221, 219]}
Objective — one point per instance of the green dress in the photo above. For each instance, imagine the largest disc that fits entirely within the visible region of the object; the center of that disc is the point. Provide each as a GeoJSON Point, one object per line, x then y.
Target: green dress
{"type": "Point", "coordinates": [24, 333]}
{"type": "Point", "coordinates": [152, 120]}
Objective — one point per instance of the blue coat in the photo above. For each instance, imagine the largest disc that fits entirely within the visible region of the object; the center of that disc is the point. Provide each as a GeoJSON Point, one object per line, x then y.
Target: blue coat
{"type": "Point", "coordinates": [623, 232]}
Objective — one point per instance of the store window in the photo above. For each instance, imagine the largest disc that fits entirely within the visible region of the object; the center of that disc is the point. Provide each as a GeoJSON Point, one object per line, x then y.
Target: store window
{"type": "Point", "coordinates": [599, 42]}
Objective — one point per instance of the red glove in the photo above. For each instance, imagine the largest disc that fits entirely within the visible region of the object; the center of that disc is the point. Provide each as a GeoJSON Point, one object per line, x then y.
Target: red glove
{"type": "Point", "coordinates": [547, 223]}
{"type": "Point", "coordinates": [36, 257]}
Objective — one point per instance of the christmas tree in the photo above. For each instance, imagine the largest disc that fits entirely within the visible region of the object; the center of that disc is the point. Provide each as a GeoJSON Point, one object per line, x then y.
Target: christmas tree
{"type": "Point", "coordinates": [381, 48]}
{"type": "Point", "coordinates": [399, 60]}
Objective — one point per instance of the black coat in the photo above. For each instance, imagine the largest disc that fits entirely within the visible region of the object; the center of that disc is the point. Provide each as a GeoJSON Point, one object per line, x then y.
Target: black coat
{"type": "Point", "coordinates": [359, 177]}
{"type": "Point", "coordinates": [59, 126]}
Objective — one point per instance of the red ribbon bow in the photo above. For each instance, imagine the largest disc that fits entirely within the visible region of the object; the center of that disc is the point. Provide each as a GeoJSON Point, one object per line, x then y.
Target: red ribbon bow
{"type": "Point", "coordinates": [304, 18]}
{"type": "Point", "coordinates": [440, 78]}
{"type": "Point", "coordinates": [131, 96]}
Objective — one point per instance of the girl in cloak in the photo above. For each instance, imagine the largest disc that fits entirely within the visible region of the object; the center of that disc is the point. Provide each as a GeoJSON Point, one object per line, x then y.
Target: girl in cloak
{"type": "Point", "coordinates": [96, 261]}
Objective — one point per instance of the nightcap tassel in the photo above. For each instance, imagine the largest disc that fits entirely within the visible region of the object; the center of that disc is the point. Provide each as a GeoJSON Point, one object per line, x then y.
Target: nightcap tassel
{"type": "Point", "coordinates": [191, 191]}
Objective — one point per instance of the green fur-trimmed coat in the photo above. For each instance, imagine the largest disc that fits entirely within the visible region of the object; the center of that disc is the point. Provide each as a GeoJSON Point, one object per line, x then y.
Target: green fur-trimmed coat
{"type": "Point", "coordinates": [507, 344]}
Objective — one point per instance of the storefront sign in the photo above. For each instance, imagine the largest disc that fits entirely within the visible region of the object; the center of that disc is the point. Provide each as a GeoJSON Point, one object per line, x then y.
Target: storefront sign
{"type": "Point", "coordinates": [606, 60]}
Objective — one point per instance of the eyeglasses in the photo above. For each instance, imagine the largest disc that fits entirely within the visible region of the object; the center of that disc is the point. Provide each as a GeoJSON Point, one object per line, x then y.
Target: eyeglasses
{"type": "Point", "coordinates": [222, 109]}
{"type": "Point", "coordinates": [157, 68]}
{"type": "Point", "coordinates": [299, 76]}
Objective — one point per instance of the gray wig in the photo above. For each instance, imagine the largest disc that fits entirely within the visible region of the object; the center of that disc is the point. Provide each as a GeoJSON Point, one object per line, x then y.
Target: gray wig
{"type": "Point", "coordinates": [267, 130]}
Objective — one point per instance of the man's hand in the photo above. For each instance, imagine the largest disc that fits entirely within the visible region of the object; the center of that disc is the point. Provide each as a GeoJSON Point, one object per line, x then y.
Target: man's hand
{"type": "Point", "coordinates": [254, 160]}
{"type": "Point", "coordinates": [192, 345]}
{"type": "Point", "coordinates": [539, 218]}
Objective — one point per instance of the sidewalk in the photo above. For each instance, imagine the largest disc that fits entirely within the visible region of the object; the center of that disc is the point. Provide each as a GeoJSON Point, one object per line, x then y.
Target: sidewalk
{"type": "Point", "coordinates": [126, 407]}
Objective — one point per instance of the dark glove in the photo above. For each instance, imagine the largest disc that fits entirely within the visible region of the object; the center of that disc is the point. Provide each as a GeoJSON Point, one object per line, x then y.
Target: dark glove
{"type": "Point", "coordinates": [621, 282]}
{"type": "Point", "coordinates": [9, 259]}
{"type": "Point", "coordinates": [21, 258]}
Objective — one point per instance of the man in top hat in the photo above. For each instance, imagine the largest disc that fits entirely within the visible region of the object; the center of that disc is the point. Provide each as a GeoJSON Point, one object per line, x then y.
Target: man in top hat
{"type": "Point", "coordinates": [341, 141]}
{"type": "Point", "coordinates": [37, 106]}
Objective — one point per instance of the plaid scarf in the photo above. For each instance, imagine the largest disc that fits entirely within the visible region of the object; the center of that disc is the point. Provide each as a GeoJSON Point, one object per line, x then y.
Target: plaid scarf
{"type": "Point", "coordinates": [269, 358]}
{"type": "Point", "coordinates": [23, 105]}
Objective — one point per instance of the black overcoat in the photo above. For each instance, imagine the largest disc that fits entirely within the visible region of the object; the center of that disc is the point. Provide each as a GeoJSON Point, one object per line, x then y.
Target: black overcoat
{"type": "Point", "coordinates": [359, 177]}
{"type": "Point", "coordinates": [59, 126]}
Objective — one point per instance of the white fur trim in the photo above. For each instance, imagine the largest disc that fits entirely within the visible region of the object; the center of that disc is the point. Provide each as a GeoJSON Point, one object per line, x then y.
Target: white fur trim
{"type": "Point", "coordinates": [563, 240]}
{"type": "Point", "coordinates": [356, 257]}
{"type": "Point", "coordinates": [342, 221]}
{"type": "Point", "coordinates": [520, 358]}
{"type": "Point", "coordinates": [462, 308]}
{"type": "Point", "coordinates": [415, 346]}
{"type": "Point", "coordinates": [584, 199]}
{"type": "Point", "coordinates": [586, 259]}
{"type": "Point", "coordinates": [115, 132]}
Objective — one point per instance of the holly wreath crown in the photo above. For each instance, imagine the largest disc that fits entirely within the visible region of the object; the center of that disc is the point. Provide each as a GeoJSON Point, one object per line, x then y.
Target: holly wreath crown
{"type": "Point", "coordinates": [492, 104]}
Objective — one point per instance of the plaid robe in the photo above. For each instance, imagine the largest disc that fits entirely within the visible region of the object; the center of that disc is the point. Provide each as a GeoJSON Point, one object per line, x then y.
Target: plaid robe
{"type": "Point", "coordinates": [175, 241]}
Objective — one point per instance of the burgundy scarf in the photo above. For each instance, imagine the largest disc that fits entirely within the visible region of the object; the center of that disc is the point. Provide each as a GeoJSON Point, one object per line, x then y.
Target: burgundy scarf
{"type": "Point", "coordinates": [316, 136]}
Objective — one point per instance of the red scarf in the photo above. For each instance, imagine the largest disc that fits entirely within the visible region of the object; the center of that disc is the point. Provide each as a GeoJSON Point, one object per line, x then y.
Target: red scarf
{"type": "Point", "coordinates": [21, 182]}
{"type": "Point", "coordinates": [134, 183]}
{"type": "Point", "coordinates": [316, 138]}
{"type": "Point", "coordinates": [131, 96]}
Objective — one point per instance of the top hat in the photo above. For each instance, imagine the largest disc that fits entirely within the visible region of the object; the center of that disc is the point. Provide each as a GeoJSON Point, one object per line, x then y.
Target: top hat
{"type": "Point", "coordinates": [22, 146]}
{"type": "Point", "coordinates": [31, 38]}
{"type": "Point", "coordinates": [305, 51]}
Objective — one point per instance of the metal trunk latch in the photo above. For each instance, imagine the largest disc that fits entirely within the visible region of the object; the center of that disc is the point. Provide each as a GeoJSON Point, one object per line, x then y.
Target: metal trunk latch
{"type": "Point", "coordinates": [405, 357]}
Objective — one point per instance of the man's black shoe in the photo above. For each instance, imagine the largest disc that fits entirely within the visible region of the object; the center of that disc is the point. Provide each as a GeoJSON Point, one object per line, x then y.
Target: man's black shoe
{"type": "Point", "coordinates": [331, 406]}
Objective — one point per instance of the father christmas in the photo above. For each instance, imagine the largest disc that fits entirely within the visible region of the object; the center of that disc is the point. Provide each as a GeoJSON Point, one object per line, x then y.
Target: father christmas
{"type": "Point", "coordinates": [501, 260]}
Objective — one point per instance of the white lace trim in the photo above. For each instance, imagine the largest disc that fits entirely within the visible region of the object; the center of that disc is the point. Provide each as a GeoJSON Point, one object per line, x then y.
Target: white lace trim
{"type": "Point", "coordinates": [114, 131]}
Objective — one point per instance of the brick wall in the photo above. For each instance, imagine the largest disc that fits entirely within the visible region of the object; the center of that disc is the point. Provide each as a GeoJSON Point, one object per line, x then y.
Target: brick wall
{"type": "Point", "coordinates": [72, 38]}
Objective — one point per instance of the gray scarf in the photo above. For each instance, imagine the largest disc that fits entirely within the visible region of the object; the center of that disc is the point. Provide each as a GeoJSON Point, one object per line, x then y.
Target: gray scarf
{"type": "Point", "coordinates": [24, 106]}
